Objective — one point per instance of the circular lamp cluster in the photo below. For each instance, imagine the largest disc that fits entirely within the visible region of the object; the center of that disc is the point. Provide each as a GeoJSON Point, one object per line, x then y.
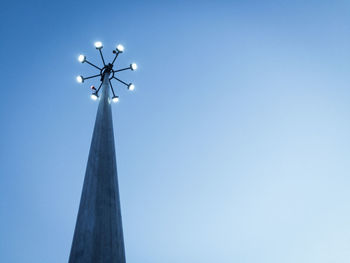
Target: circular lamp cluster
{"type": "Point", "coordinates": [107, 68]}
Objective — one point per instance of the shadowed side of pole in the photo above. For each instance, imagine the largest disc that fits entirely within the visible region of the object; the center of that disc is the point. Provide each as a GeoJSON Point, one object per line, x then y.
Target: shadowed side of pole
{"type": "Point", "coordinates": [98, 235]}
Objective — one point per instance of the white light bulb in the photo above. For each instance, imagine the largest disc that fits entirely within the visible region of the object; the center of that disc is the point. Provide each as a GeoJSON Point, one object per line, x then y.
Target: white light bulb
{"type": "Point", "coordinates": [81, 58]}
{"type": "Point", "coordinates": [120, 48]}
{"type": "Point", "coordinates": [93, 96]}
{"type": "Point", "coordinates": [80, 79]}
{"type": "Point", "coordinates": [115, 99]}
{"type": "Point", "coordinates": [98, 44]}
{"type": "Point", "coordinates": [133, 66]}
{"type": "Point", "coordinates": [131, 87]}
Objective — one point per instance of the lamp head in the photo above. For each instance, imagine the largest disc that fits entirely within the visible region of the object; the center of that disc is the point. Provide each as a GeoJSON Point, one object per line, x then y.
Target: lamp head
{"type": "Point", "coordinates": [80, 79]}
{"type": "Point", "coordinates": [98, 45]}
{"type": "Point", "coordinates": [81, 58]}
{"type": "Point", "coordinates": [131, 86]}
{"type": "Point", "coordinates": [94, 96]}
{"type": "Point", "coordinates": [120, 48]}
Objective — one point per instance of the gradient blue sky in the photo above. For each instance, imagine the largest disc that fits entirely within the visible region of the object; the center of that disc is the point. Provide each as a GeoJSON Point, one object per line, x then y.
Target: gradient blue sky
{"type": "Point", "coordinates": [234, 147]}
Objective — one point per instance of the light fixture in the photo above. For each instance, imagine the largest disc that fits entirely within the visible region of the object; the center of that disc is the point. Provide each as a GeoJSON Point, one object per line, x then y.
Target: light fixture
{"type": "Point", "coordinates": [98, 45]}
{"type": "Point", "coordinates": [80, 79]}
{"type": "Point", "coordinates": [120, 48]}
{"type": "Point", "coordinates": [106, 73]}
{"type": "Point", "coordinates": [131, 86]}
{"type": "Point", "coordinates": [94, 96]}
{"type": "Point", "coordinates": [81, 58]}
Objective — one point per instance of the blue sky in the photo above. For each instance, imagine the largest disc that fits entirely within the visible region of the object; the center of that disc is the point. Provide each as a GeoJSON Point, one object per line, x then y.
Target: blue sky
{"type": "Point", "coordinates": [234, 146]}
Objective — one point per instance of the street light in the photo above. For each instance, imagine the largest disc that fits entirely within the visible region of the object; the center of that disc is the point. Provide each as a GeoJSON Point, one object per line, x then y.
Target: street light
{"type": "Point", "coordinates": [131, 87]}
{"type": "Point", "coordinates": [120, 48]}
{"type": "Point", "coordinates": [94, 96]}
{"type": "Point", "coordinates": [98, 45]}
{"type": "Point", "coordinates": [106, 70]}
{"type": "Point", "coordinates": [81, 58]}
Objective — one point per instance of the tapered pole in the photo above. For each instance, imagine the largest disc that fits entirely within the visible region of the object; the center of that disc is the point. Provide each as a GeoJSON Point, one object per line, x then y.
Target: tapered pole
{"type": "Point", "coordinates": [98, 235]}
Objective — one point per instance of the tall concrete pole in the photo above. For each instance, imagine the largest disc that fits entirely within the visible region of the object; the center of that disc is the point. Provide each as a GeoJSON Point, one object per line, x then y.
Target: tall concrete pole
{"type": "Point", "coordinates": [98, 235]}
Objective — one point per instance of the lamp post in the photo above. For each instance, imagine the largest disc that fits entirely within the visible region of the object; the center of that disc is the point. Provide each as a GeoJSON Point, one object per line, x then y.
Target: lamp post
{"type": "Point", "coordinates": [98, 235]}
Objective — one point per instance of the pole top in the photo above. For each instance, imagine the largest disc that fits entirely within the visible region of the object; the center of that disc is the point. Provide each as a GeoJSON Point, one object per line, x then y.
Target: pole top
{"type": "Point", "coordinates": [107, 70]}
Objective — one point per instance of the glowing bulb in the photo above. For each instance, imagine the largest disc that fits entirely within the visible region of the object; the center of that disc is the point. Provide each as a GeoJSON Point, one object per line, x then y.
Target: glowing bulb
{"type": "Point", "coordinates": [98, 45]}
{"type": "Point", "coordinates": [115, 99]}
{"type": "Point", "coordinates": [94, 96]}
{"type": "Point", "coordinates": [131, 87]}
{"type": "Point", "coordinates": [80, 79]}
{"type": "Point", "coordinates": [120, 48]}
{"type": "Point", "coordinates": [81, 58]}
{"type": "Point", "coordinates": [133, 66]}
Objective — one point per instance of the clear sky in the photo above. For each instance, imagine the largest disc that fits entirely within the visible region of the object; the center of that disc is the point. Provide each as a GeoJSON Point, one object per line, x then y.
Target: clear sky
{"type": "Point", "coordinates": [233, 148]}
